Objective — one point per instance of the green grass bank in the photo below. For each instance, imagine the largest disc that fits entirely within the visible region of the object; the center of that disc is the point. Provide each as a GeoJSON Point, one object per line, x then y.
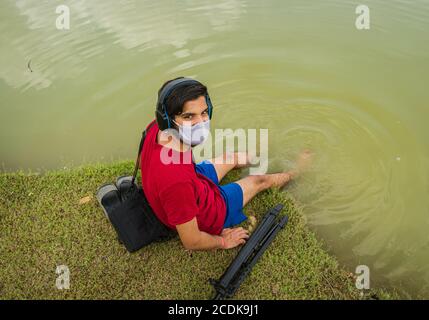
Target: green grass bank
{"type": "Point", "coordinates": [43, 224]}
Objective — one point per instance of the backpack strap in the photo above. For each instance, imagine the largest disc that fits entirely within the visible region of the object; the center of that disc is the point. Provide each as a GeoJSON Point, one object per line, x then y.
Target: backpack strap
{"type": "Point", "coordinates": [136, 167]}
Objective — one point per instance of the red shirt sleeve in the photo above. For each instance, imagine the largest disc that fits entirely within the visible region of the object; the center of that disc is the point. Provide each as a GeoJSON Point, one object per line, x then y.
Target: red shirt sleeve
{"type": "Point", "coordinates": [179, 202]}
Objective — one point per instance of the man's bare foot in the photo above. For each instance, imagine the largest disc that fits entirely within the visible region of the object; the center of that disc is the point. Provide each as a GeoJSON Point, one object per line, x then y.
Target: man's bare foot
{"type": "Point", "coordinates": [303, 162]}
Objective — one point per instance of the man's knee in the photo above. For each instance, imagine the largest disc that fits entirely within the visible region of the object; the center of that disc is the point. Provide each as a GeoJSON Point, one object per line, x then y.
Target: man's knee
{"type": "Point", "coordinates": [227, 158]}
{"type": "Point", "coordinates": [241, 158]}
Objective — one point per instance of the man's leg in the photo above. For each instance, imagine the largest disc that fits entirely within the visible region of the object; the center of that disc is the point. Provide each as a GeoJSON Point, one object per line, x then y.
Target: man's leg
{"type": "Point", "coordinates": [252, 185]}
{"type": "Point", "coordinates": [228, 161]}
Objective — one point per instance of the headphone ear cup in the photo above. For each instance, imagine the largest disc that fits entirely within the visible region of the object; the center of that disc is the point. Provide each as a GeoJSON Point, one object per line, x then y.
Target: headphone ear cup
{"type": "Point", "coordinates": [210, 106]}
{"type": "Point", "coordinates": [161, 118]}
{"type": "Point", "coordinates": [162, 112]}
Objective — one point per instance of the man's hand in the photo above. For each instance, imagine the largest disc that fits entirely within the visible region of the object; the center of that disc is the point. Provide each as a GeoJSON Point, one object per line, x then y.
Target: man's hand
{"type": "Point", "coordinates": [234, 237]}
{"type": "Point", "coordinates": [194, 239]}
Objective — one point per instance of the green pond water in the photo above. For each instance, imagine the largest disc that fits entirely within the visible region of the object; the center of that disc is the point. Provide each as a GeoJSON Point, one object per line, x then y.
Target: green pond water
{"type": "Point", "coordinates": [357, 98]}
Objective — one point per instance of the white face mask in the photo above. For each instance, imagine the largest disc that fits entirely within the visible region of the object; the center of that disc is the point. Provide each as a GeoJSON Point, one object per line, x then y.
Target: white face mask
{"type": "Point", "coordinates": [196, 134]}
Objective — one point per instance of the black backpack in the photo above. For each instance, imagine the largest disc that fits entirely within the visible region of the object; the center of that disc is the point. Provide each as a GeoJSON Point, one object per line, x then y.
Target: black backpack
{"type": "Point", "coordinates": [127, 208]}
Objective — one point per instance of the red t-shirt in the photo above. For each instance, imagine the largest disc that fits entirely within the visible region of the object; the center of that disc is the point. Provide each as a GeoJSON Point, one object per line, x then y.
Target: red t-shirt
{"type": "Point", "coordinates": [176, 192]}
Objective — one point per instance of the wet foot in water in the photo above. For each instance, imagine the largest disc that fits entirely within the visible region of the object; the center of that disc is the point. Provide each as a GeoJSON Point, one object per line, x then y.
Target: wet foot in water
{"type": "Point", "coordinates": [303, 162]}
{"type": "Point", "coordinates": [280, 180]}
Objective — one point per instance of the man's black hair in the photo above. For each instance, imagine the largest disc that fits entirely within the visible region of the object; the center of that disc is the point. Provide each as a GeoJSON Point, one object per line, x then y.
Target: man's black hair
{"type": "Point", "coordinates": [179, 96]}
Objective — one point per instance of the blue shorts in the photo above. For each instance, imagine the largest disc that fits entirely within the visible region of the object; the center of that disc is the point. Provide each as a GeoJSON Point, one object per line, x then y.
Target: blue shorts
{"type": "Point", "coordinates": [231, 192]}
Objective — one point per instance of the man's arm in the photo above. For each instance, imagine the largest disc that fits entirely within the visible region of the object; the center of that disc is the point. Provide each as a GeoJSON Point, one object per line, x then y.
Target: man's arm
{"type": "Point", "coordinates": [194, 239]}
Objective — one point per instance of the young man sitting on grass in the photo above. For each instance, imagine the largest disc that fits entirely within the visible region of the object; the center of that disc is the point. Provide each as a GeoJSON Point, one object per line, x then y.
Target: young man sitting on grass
{"type": "Point", "coordinates": [186, 196]}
